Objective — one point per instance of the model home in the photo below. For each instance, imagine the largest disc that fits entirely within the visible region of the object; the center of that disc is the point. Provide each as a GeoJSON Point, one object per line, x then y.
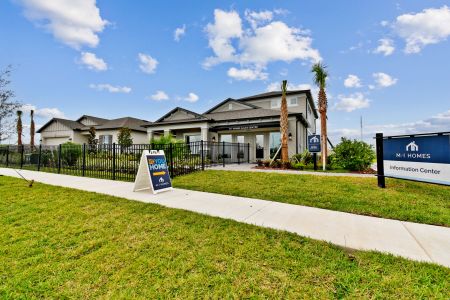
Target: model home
{"type": "Point", "coordinates": [254, 120]}
{"type": "Point", "coordinates": [58, 131]}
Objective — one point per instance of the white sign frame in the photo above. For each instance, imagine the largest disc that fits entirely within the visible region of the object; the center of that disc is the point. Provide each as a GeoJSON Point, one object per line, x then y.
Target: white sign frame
{"type": "Point", "coordinates": [143, 179]}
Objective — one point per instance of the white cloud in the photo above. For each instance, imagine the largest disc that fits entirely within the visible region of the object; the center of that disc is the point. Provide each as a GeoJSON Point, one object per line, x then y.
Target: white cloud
{"type": "Point", "coordinates": [258, 18]}
{"type": "Point", "coordinates": [110, 88]}
{"type": "Point", "coordinates": [45, 113]}
{"type": "Point", "coordinates": [76, 23]}
{"type": "Point", "coordinates": [191, 97]}
{"type": "Point", "coordinates": [436, 123]}
{"type": "Point", "coordinates": [159, 96]}
{"type": "Point", "coordinates": [430, 26]}
{"type": "Point", "coordinates": [147, 63]}
{"type": "Point", "coordinates": [383, 79]}
{"type": "Point", "coordinates": [179, 32]}
{"type": "Point", "coordinates": [246, 74]}
{"type": "Point", "coordinates": [352, 102]}
{"type": "Point", "coordinates": [93, 62]}
{"type": "Point", "coordinates": [264, 42]}
{"type": "Point", "coordinates": [352, 81]}
{"type": "Point", "coordinates": [227, 25]}
{"type": "Point", "coordinates": [384, 23]}
{"type": "Point", "coordinates": [386, 47]}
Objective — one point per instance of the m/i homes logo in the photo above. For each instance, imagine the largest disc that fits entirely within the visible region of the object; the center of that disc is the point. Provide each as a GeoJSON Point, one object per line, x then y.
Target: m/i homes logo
{"type": "Point", "coordinates": [412, 152]}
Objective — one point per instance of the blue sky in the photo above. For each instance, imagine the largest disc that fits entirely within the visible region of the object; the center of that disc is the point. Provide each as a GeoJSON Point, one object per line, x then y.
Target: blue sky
{"type": "Point", "coordinates": [388, 60]}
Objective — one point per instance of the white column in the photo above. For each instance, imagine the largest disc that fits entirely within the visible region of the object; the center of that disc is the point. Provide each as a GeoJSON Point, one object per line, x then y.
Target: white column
{"type": "Point", "coordinates": [166, 132]}
{"type": "Point", "coordinates": [204, 133]}
{"type": "Point", "coordinates": [149, 134]}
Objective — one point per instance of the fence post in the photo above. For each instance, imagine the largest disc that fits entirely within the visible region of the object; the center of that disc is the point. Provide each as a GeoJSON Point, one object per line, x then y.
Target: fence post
{"type": "Point", "coordinates": [83, 165]}
{"type": "Point", "coordinates": [248, 153]}
{"type": "Point", "coordinates": [203, 157]}
{"type": "Point", "coordinates": [380, 164]}
{"type": "Point", "coordinates": [114, 161]}
{"type": "Point", "coordinates": [59, 159]}
{"type": "Point", "coordinates": [238, 153]}
{"type": "Point", "coordinates": [171, 159]}
{"type": "Point", "coordinates": [21, 156]}
{"type": "Point", "coordinates": [223, 154]}
{"type": "Point", "coordinates": [39, 157]}
{"type": "Point", "coordinates": [7, 156]}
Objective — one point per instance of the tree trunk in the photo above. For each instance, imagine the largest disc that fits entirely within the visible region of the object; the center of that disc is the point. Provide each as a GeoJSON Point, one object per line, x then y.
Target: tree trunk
{"type": "Point", "coordinates": [323, 131]}
{"type": "Point", "coordinates": [284, 130]}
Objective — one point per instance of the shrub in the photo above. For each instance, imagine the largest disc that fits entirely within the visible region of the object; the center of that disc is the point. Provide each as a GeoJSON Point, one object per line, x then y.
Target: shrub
{"type": "Point", "coordinates": [296, 158]}
{"type": "Point", "coordinates": [259, 163]}
{"type": "Point", "coordinates": [298, 166]}
{"type": "Point", "coordinates": [307, 157]}
{"type": "Point", "coordinates": [266, 163]}
{"type": "Point", "coordinates": [70, 152]}
{"type": "Point", "coordinates": [354, 155]}
{"type": "Point", "coordinates": [124, 137]}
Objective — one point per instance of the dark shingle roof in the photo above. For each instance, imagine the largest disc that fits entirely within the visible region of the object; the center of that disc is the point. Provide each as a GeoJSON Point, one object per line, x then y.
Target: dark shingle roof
{"type": "Point", "coordinates": [69, 123]}
{"type": "Point", "coordinates": [129, 122]}
{"type": "Point", "coordinates": [97, 120]}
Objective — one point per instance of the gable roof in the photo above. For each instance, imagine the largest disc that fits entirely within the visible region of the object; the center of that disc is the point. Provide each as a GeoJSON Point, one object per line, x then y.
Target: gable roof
{"type": "Point", "coordinates": [245, 114]}
{"type": "Point", "coordinates": [129, 122]}
{"type": "Point", "coordinates": [229, 100]}
{"type": "Point", "coordinates": [69, 123]}
{"type": "Point", "coordinates": [196, 116]}
{"type": "Point", "coordinates": [98, 120]}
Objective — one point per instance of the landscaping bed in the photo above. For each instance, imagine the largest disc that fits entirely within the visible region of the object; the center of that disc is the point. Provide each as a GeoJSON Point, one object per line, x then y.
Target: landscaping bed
{"type": "Point", "coordinates": [401, 200]}
{"type": "Point", "coordinates": [63, 243]}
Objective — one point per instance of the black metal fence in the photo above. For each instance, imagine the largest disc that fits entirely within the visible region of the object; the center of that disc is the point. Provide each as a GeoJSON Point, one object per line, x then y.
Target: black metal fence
{"type": "Point", "coordinates": [120, 162]}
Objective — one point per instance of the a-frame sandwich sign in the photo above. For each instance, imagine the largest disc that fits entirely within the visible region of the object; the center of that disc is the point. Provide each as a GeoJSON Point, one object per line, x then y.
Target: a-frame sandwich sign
{"type": "Point", "coordinates": [153, 172]}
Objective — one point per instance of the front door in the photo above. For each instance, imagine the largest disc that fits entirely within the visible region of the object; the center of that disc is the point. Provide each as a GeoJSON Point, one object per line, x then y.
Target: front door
{"type": "Point", "coordinates": [259, 146]}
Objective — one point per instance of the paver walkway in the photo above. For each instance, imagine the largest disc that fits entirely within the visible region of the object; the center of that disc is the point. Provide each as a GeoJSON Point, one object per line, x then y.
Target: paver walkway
{"type": "Point", "coordinates": [411, 240]}
{"type": "Point", "coordinates": [250, 168]}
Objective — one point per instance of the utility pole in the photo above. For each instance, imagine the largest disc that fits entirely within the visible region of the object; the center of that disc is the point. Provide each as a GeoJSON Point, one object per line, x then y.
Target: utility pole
{"type": "Point", "coordinates": [361, 124]}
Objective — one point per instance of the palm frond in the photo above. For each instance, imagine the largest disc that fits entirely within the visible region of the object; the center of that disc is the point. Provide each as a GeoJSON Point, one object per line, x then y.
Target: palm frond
{"type": "Point", "coordinates": [320, 74]}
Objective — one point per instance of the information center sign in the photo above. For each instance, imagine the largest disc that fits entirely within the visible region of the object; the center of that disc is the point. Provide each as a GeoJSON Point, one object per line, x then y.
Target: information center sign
{"type": "Point", "coordinates": [422, 158]}
{"type": "Point", "coordinates": [314, 143]}
{"type": "Point", "coordinates": [153, 172]}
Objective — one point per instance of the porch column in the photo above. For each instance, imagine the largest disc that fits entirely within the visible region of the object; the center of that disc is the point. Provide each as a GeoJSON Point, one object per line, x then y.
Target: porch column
{"type": "Point", "coordinates": [150, 134]}
{"type": "Point", "coordinates": [204, 133]}
{"type": "Point", "coordinates": [166, 132]}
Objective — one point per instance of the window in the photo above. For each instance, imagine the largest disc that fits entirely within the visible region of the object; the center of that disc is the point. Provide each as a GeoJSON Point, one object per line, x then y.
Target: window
{"type": "Point", "coordinates": [230, 106]}
{"type": "Point", "coordinates": [274, 143]}
{"type": "Point", "coordinates": [276, 103]}
{"type": "Point", "coordinates": [293, 101]}
{"type": "Point", "coordinates": [225, 138]}
{"type": "Point", "coordinates": [190, 138]}
{"type": "Point", "coordinates": [240, 139]}
{"type": "Point", "coordinates": [105, 139]}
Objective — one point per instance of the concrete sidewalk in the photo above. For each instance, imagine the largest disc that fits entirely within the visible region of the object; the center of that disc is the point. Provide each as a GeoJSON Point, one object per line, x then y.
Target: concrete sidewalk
{"type": "Point", "coordinates": [410, 240]}
{"type": "Point", "coordinates": [250, 168]}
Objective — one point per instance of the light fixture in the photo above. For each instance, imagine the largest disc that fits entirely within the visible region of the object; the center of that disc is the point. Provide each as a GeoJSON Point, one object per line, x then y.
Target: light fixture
{"type": "Point", "coordinates": [290, 136]}
{"type": "Point", "coordinates": [213, 138]}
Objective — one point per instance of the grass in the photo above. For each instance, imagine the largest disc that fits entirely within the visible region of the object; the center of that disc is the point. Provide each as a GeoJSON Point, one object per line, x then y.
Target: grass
{"type": "Point", "coordinates": [63, 243]}
{"type": "Point", "coordinates": [402, 200]}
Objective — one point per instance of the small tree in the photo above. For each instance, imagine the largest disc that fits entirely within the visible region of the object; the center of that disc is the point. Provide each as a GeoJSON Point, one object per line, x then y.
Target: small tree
{"type": "Point", "coordinates": [19, 128]}
{"type": "Point", "coordinates": [70, 153]}
{"type": "Point", "coordinates": [92, 141]}
{"type": "Point", "coordinates": [32, 128]}
{"type": "Point", "coordinates": [7, 105]}
{"type": "Point", "coordinates": [124, 138]}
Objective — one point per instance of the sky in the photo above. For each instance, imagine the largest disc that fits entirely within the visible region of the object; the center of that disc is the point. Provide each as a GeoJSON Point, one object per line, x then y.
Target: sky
{"type": "Point", "coordinates": [388, 61]}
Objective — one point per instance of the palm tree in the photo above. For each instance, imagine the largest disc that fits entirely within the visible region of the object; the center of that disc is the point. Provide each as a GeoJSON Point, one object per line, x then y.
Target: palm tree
{"type": "Point", "coordinates": [320, 78]}
{"type": "Point", "coordinates": [32, 129]}
{"type": "Point", "coordinates": [19, 127]}
{"type": "Point", "coordinates": [284, 123]}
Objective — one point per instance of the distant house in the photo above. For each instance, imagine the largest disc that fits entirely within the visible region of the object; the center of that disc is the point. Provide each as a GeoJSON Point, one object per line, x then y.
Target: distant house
{"type": "Point", "coordinates": [58, 131]}
{"type": "Point", "coordinates": [253, 120]}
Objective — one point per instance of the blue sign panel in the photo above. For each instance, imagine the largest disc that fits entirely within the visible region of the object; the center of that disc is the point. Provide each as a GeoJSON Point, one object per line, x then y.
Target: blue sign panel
{"type": "Point", "coordinates": [314, 143]}
{"type": "Point", "coordinates": [429, 149]}
{"type": "Point", "coordinates": [159, 172]}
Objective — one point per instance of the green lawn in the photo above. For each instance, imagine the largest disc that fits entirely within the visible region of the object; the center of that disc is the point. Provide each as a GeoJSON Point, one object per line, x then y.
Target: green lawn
{"type": "Point", "coordinates": [59, 243]}
{"type": "Point", "coordinates": [402, 200]}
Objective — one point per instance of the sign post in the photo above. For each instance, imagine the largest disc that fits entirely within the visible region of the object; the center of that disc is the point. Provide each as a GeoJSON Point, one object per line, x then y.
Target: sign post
{"type": "Point", "coordinates": [314, 147]}
{"type": "Point", "coordinates": [420, 157]}
{"type": "Point", "coordinates": [153, 172]}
